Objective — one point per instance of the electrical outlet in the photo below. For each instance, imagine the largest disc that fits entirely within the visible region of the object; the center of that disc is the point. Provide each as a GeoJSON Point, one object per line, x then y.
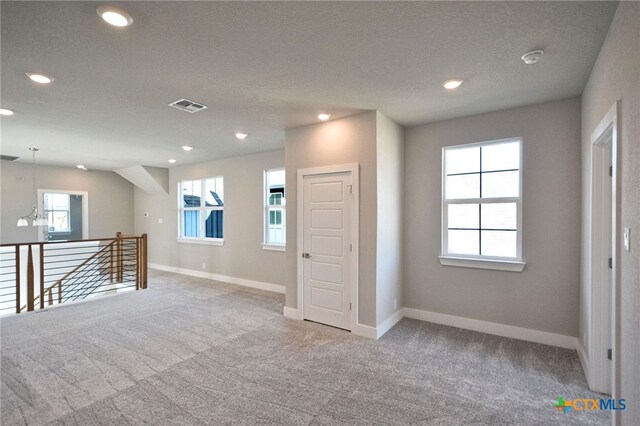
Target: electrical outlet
{"type": "Point", "coordinates": [160, 221]}
{"type": "Point", "coordinates": [395, 304]}
{"type": "Point", "coordinates": [204, 266]}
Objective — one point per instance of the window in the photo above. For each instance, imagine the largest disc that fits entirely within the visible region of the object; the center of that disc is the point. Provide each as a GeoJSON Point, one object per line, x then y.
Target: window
{"type": "Point", "coordinates": [57, 211]}
{"type": "Point", "coordinates": [481, 205]}
{"type": "Point", "coordinates": [274, 210]}
{"type": "Point", "coordinates": [201, 209]}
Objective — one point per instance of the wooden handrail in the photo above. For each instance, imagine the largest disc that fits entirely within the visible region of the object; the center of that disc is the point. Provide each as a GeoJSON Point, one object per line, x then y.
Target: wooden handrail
{"type": "Point", "coordinates": [116, 267]}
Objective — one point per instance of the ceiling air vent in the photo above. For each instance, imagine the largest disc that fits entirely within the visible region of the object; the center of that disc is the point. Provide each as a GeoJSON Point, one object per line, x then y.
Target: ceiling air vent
{"type": "Point", "coordinates": [187, 105]}
{"type": "Point", "coordinates": [8, 157]}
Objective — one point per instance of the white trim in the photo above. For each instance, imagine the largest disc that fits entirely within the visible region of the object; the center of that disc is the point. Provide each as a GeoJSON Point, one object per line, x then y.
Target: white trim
{"type": "Point", "coordinates": [584, 361]}
{"type": "Point", "coordinates": [207, 241]}
{"type": "Point", "coordinates": [388, 324]}
{"type": "Point", "coordinates": [466, 262]}
{"type": "Point", "coordinates": [85, 210]}
{"type": "Point", "coordinates": [354, 214]}
{"type": "Point", "coordinates": [530, 335]}
{"type": "Point", "coordinates": [605, 133]}
{"type": "Point", "coordinates": [292, 313]}
{"type": "Point", "coordinates": [276, 288]}
{"type": "Point", "coordinates": [274, 247]}
{"type": "Point", "coordinates": [364, 331]}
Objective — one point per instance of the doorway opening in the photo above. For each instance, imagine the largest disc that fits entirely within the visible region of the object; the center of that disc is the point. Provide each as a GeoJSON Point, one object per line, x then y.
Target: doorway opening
{"type": "Point", "coordinates": [603, 257]}
{"type": "Point", "coordinates": [67, 213]}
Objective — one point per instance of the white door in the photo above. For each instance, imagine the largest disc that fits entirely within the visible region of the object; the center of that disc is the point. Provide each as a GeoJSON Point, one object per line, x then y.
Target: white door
{"type": "Point", "coordinates": [326, 251]}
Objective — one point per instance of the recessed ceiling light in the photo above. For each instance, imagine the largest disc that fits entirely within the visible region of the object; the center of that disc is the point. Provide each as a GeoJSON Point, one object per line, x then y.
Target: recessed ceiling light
{"type": "Point", "coordinates": [324, 117]}
{"type": "Point", "coordinates": [4, 111]}
{"type": "Point", "coordinates": [115, 17]}
{"type": "Point", "coordinates": [451, 84]}
{"type": "Point", "coordinates": [80, 166]}
{"type": "Point", "coordinates": [39, 78]}
{"type": "Point", "coordinates": [172, 160]}
{"type": "Point", "coordinates": [187, 147]}
{"type": "Point", "coordinates": [241, 136]}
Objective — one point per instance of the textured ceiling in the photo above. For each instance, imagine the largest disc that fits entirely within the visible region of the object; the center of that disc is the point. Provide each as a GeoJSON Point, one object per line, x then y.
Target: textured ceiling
{"type": "Point", "coordinates": [267, 66]}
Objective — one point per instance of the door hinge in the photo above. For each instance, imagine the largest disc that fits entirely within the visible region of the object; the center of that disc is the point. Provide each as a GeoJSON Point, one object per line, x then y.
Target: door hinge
{"type": "Point", "coordinates": [350, 247]}
{"type": "Point", "coordinates": [610, 263]}
{"type": "Point", "coordinates": [349, 305]}
{"type": "Point", "coordinates": [350, 188]}
{"type": "Point", "coordinates": [610, 170]}
{"type": "Point", "coordinates": [609, 354]}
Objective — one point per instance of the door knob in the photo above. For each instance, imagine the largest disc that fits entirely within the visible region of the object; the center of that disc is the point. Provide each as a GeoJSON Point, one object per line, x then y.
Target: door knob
{"type": "Point", "coordinates": [306, 255]}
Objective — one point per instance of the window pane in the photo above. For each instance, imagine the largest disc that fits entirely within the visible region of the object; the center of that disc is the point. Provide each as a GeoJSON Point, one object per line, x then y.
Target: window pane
{"type": "Point", "coordinates": [275, 178]}
{"type": "Point", "coordinates": [213, 224]}
{"type": "Point", "coordinates": [463, 216]}
{"type": "Point", "coordinates": [462, 160]}
{"type": "Point", "coordinates": [463, 186]}
{"type": "Point", "coordinates": [276, 234]}
{"type": "Point", "coordinates": [276, 197]}
{"type": "Point", "coordinates": [499, 243]}
{"type": "Point", "coordinates": [191, 224]}
{"type": "Point", "coordinates": [502, 156]}
{"type": "Point", "coordinates": [500, 184]}
{"type": "Point", "coordinates": [499, 216]}
{"type": "Point", "coordinates": [464, 242]}
{"type": "Point", "coordinates": [214, 194]}
{"type": "Point", "coordinates": [60, 221]}
{"type": "Point", "coordinates": [59, 201]}
{"type": "Point", "coordinates": [191, 193]}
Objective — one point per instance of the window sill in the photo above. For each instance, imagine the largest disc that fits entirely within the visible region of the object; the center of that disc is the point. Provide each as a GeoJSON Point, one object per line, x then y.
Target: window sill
{"type": "Point", "coordinates": [208, 242]}
{"type": "Point", "coordinates": [498, 265]}
{"type": "Point", "coordinates": [274, 247]}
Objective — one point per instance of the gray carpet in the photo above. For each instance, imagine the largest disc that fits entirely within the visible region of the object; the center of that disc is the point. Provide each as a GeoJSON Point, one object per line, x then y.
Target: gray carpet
{"type": "Point", "coordinates": [189, 351]}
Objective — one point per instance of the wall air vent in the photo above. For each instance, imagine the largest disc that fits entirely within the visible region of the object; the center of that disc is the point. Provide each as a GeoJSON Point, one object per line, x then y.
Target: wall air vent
{"type": "Point", "coordinates": [187, 105]}
{"type": "Point", "coordinates": [8, 157]}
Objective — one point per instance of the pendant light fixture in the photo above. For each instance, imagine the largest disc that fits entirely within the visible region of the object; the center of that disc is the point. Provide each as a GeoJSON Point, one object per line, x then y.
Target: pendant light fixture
{"type": "Point", "coordinates": [34, 216]}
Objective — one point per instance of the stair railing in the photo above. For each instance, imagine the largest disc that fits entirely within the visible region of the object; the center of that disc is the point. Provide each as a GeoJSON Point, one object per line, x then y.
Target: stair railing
{"type": "Point", "coordinates": [62, 271]}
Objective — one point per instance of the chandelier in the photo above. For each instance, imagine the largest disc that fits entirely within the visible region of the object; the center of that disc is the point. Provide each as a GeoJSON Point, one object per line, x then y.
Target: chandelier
{"type": "Point", "coordinates": [37, 219]}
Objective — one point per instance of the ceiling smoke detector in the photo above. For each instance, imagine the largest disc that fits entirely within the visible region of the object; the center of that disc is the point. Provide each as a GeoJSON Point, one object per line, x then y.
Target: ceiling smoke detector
{"type": "Point", "coordinates": [187, 105]}
{"type": "Point", "coordinates": [532, 57]}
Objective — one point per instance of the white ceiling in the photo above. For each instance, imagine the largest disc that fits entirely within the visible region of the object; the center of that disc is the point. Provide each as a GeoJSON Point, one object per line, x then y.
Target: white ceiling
{"type": "Point", "coordinates": [266, 66]}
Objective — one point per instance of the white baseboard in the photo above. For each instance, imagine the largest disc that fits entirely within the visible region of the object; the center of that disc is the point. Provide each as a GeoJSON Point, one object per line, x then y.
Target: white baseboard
{"type": "Point", "coordinates": [292, 313]}
{"type": "Point", "coordinates": [584, 360]}
{"type": "Point", "coordinates": [364, 331]}
{"type": "Point", "coordinates": [536, 336]}
{"type": "Point", "coordinates": [218, 277]}
{"type": "Point", "coordinates": [389, 323]}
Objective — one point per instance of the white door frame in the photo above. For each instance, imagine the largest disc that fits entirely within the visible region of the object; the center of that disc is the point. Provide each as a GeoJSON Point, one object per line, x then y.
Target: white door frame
{"type": "Point", "coordinates": [352, 168]}
{"type": "Point", "coordinates": [605, 133]}
{"type": "Point", "coordinates": [85, 209]}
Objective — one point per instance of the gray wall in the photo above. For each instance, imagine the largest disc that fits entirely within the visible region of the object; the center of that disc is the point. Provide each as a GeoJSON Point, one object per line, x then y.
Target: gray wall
{"type": "Point", "coordinates": [616, 76]}
{"type": "Point", "coordinates": [110, 198]}
{"type": "Point", "coordinates": [390, 157]}
{"type": "Point", "coordinates": [242, 255]}
{"type": "Point", "coordinates": [346, 140]}
{"type": "Point", "coordinates": [75, 207]}
{"type": "Point", "coordinates": [545, 295]}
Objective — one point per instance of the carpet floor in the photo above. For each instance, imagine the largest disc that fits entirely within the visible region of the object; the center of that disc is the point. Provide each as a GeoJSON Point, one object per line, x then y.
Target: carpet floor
{"type": "Point", "coordinates": [188, 351]}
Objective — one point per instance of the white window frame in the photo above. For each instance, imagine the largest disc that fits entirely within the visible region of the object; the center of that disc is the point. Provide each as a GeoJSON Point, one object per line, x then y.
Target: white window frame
{"type": "Point", "coordinates": [53, 211]}
{"type": "Point", "coordinates": [203, 214]}
{"type": "Point", "coordinates": [266, 244]}
{"type": "Point", "coordinates": [482, 261]}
